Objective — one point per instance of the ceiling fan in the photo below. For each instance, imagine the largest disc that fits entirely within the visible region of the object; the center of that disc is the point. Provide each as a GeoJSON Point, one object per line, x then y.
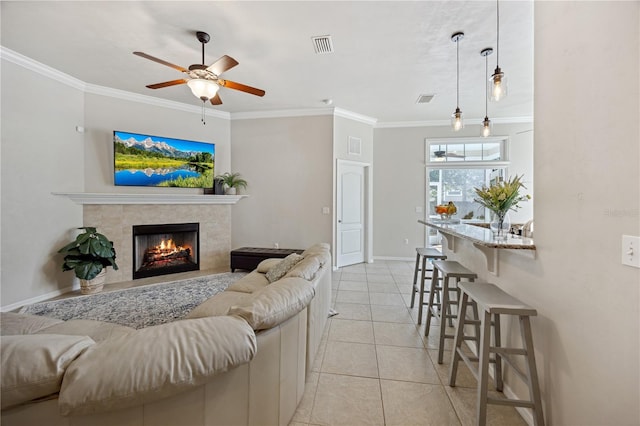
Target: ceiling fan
{"type": "Point", "coordinates": [204, 81]}
{"type": "Point", "coordinates": [444, 154]}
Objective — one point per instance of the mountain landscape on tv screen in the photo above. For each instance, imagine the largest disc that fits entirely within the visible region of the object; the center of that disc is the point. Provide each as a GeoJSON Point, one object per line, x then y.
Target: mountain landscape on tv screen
{"type": "Point", "coordinates": [142, 160]}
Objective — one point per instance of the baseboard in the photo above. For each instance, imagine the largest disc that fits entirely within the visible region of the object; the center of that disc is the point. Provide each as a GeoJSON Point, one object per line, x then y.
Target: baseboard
{"type": "Point", "coordinates": [402, 259]}
{"type": "Point", "coordinates": [41, 298]}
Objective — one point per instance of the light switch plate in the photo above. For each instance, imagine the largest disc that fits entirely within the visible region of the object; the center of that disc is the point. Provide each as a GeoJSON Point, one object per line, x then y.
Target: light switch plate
{"type": "Point", "coordinates": [631, 251]}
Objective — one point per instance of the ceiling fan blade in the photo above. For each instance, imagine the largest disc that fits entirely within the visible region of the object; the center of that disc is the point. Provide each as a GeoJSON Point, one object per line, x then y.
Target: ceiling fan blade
{"type": "Point", "coordinates": [216, 100]}
{"type": "Point", "coordinates": [242, 87]}
{"type": "Point", "coordinates": [167, 84]}
{"type": "Point", "coordinates": [223, 64]}
{"type": "Point", "coordinates": [160, 61]}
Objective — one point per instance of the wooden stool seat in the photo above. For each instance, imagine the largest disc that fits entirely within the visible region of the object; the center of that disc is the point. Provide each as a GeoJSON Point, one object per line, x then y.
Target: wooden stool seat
{"type": "Point", "coordinates": [423, 254]}
{"type": "Point", "coordinates": [495, 302]}
{"type": "Point", "coordinates": [443, 310]}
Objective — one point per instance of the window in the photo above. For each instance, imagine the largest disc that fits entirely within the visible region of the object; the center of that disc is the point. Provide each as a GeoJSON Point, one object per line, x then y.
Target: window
{"type": "Point", "coordinates": [456, 166]}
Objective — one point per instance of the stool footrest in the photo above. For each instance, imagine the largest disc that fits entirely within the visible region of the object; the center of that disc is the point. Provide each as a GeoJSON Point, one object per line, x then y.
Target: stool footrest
{"type": "Point", "coordinates": [516, 369]}
{"type": "Point", "coordinates": [511, 402]}
{"type": "Point", "coordinates": [506, 351]}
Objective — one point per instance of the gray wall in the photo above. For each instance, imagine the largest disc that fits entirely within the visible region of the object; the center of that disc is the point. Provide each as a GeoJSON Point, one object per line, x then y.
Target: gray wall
{"type": "Point", "coordinates": [400, 174]}
{"type": "Point", "coordinates": [288, 165]}
{"type": "Point", "coordinates": [41, 153]}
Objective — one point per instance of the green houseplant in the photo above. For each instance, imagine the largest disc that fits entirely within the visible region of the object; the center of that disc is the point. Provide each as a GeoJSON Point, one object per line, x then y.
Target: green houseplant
{"type": "Point", "coordinates": [88, 256]}
{"type": "Point", "coordinates": [500, 198]}
{"type": "Point", "coordinates": [232, 181]}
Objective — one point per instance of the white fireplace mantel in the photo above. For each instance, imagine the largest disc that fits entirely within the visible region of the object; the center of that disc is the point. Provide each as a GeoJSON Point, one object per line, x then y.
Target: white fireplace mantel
{"type": "Point", "coordinates": [114, 198]}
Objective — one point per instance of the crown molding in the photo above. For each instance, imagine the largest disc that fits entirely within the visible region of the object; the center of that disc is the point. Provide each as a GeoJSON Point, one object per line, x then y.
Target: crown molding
{"type": "Point", "coordinates": [150, 100]}
{"type": "Point", "coordinates": [439, 123]}
{"type": "Point", "coordinates": [40, 68]}
{"type": "Point", "coordinates": [339, 112]}
{"type": "Point", "coordinates": [283, 113]}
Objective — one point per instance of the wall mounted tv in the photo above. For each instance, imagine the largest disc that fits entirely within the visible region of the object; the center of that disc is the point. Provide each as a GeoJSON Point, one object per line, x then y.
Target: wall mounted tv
{"type": "Point", "coordinates": [144, 160]}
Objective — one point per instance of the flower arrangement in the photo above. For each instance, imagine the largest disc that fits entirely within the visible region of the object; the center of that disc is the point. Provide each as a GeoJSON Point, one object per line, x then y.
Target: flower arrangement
{"type": "Point", "coordinates": [502, 196]}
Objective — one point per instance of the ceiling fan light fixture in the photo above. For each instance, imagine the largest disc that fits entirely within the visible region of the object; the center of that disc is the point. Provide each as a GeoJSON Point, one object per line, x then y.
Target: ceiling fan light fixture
{"type": "Point", "coordinates": [202, 88]}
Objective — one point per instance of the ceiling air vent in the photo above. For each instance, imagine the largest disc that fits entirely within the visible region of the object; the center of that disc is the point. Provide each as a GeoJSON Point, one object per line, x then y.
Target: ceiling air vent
{"type": "Point", "coordinates": [322, 44]}
{"type": "Point", "coordinates": [425, 99]}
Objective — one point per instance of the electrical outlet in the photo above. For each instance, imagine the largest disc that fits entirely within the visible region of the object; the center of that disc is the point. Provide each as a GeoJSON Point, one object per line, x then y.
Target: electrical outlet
{"type": "Point", "coordinates": [325, 210]}
{"type": "Point", "coordinates": [631, 251]}
{"type": "Point", "coordinates": [276, 245]}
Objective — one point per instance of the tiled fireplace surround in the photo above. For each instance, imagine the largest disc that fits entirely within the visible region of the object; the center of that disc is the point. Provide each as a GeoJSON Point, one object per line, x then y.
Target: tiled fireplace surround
{"type": "Point", "coordinates": [116, 222]}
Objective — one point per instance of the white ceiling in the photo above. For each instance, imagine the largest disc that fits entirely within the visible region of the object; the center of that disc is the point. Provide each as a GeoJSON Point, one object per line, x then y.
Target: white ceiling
{"type": "Point", "coordinates": [387, 53]}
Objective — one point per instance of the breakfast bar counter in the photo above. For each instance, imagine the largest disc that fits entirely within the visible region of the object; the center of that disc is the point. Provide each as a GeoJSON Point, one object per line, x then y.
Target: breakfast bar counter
{"type": "Point", "coordinates": [482, 239]}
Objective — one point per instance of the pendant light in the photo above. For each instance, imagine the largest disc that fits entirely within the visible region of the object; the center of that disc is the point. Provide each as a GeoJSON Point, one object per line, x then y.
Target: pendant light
{"type": "Point", "coordinates": [498, 80]}
{"type": "Point", "coordinates": [457, 122]}
{"type": "Point", "coordinates": [486, 123]}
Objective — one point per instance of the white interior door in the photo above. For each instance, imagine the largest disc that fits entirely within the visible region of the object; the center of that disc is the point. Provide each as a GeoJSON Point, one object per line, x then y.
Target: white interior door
{"type": "Point", "coordinates": [351, 214]}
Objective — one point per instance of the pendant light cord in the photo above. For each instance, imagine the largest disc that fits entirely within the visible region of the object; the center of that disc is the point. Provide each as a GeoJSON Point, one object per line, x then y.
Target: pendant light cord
{"type": "Point", "coordinates": [457, 73]}
{"type": "Point", "coordinates": [497, 33]}
{"type": "Point", "coordinates": [486, 89]}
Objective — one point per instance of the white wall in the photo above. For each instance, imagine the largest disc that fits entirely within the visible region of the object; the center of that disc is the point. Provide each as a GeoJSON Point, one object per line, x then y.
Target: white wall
{"type": "Point", "coordinates": [288, 165]}
{"type": "Point", "coordinates": [587, 162]}
{"type": "Point", "coordinates": [41, 153]}
{"type": "Point", "coordinates": [399, 180]}
{"type": "Point", "coordinates": [105, 114]}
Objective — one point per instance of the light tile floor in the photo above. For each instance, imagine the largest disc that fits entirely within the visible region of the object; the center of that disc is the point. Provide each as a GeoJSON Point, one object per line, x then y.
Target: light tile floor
{"type": "Point", "coordinates": [374, 365]}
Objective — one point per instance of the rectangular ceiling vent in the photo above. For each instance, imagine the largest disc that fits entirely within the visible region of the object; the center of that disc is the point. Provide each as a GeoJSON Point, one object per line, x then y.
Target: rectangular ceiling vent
{"type": "Point", "coordinates": [425, 99]}
{"type": "Point", "coordinates": [322, 44]}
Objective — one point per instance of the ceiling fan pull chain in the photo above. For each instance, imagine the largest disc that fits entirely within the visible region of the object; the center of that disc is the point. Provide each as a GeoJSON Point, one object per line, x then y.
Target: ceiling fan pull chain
{"type": "Point", "coordinates": [202, 119]}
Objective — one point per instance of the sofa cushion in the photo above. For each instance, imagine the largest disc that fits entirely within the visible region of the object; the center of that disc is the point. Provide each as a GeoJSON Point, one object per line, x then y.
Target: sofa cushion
{"type": "Point", "coordinates": [97, 330]}
{"type": "Point", "coordinates": [306, 268]}
{"type": "Point", "coordinates": [275, 303]}
{"type": "Point", "coordinates": [33, 364]}
{"type": "Point", "coordinates": [323, 250]}
{"type": "Point", "coordinates": [278, 271]}
{"type": "Point", "coordinates": [249, 283]}
{"type": "Point", "coordinates": [13, 323]}
{"type": "Point", "coordinates": [265, 265]}
{"type": "Point", "coordinates": [218, 305]}
{"type": "Point", "coordinates": [153, 363]}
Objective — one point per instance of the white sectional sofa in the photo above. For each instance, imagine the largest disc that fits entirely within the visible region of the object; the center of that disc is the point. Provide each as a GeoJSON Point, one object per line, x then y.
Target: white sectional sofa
{"type": "Point", "coordinates": [240, 358]}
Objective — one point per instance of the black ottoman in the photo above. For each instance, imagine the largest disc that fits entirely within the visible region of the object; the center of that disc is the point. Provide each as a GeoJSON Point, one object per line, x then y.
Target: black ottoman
{"type": "Point", "coordinates": [249, 257]}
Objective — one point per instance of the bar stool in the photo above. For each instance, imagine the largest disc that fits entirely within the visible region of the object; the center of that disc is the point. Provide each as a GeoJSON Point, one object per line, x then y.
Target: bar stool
{"type": "Point", "coordinates": [423, 254]}
{"type": "Point", "coordinates": [493, 301]}
{"type": "Point", "coordinates": [448, 269]}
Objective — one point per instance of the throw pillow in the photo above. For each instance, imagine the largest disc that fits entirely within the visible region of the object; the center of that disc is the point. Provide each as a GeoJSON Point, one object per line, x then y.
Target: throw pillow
{"type": "Point", "coordinates": [265, 265]}
{"type": "Point", "coordinates": [278, 271]}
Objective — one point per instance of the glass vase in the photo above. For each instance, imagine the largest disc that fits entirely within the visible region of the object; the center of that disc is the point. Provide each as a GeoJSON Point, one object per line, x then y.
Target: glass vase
{"type": "Point", "coordinates": [500, 225]}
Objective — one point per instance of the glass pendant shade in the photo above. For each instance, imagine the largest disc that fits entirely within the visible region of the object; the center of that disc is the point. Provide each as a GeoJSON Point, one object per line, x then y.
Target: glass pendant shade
{"type": "Point", "coordinates": [486, 127]}
{"type": "Point", "coordinates": [498, 85]}
{"type": "Point", "coordinates": [202, 88]}
{"type": "Point", "coordinates": [457, 120]}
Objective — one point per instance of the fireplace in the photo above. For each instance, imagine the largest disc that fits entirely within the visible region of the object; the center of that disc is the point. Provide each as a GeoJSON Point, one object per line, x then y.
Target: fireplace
{"type": "Point", "coordinates": [165, 249]}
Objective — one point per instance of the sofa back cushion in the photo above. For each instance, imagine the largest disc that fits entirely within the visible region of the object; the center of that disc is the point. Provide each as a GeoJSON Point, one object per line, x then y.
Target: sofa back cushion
{"type": "Point", "coordinates": [218, 304]}
{"type": "Point", "coordinates": [249, 283]}
{"type": "Point", "coordinates": [33, 364]}
{"type": "Point", "coordinates": [275, 303]}
{"type": "Point", "coordinates": [97, 330]}
{"type": "Point", "coordinates": [13, 323]}
{"type": "Point", "coordinates": [153, 363]}
{"type": "Point", "coordinates": [306, 268]}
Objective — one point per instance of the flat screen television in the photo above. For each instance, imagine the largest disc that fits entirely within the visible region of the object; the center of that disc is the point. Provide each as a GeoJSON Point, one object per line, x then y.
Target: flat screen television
{"type": "Point", "coordinates": [144, 160]}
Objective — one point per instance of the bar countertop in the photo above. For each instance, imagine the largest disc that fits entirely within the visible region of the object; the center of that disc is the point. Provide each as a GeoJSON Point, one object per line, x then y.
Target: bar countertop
{"type": "Point", "coordinates": [479, 235]}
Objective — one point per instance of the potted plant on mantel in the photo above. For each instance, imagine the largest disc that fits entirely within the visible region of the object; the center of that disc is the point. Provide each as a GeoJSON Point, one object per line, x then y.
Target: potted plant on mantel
{"type": "Point", "coordinates": [88, 256]}
{"type": "Point", "coordinates": [232, 181]}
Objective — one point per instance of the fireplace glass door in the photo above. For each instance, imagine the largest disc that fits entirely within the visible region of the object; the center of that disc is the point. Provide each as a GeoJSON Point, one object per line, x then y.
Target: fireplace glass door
{"type": "Point", "coordinates": [165, 249]}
